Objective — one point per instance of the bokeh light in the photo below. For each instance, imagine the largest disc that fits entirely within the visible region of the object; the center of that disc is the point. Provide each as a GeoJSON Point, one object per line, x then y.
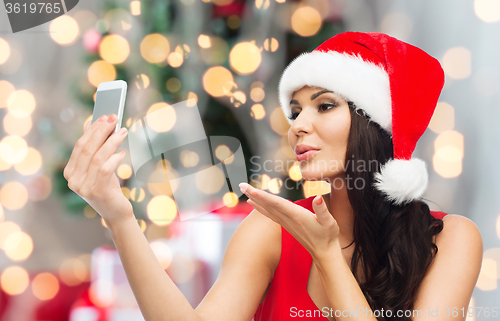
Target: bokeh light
{"type": "Point", "coordinates": [19, 126]}
{"type": "Point", "coordinates": [6, 229]}
{"type": "Point", "coordinates": [488, 277]}
{"type": "Point", "coordinates": [192, 99]}
{"type": "Point", "coordinates": [137, 194]}
{"type": "Point", "coordinates": [124, 171]}
{"type": "Point", "coordinates": [165, 122]}
{"type": "Point", "coordinates": [21, 103]}
{"type": "Point", "coordinates": [210, 180]}
{"type": "Point", "coordinates": [457, 62]}
{"type": "Point", "coordinates": [306, 21]}
{"type": "Point", "coordinates": [218, 81]}
{"type": "Point", "coordinates": [238, 98]}
{"type": "Point", "coordinates": [262, 4]}
{"type": "Point", "coordinates": [30, 164]}
{"type": "Point", "coordinates": [257, 111]}
{"type": "Point", "coordinates": [312, 188]}
{"type": "Point", "coordinates": [74, 271]}
{"type": "Point", "coordinates": [224, 154]}
{"type": "Point", "coordinates": [101, 71]}
{"type": "Point", "coordinates": [448, 154]}
{"type": "Point", "coordinates": [14, 280]}
{"type": "Point", "coordinates": [189, 158]}
{"type": "Point", "coordinates": [257, 94]}
{"type": "Point", "coordinates": [64, 30]}
{"type": "Point", "coordinates": [142, 81]}
{"type": "Point", "coordinates": [114, 49]}
{"type": "Point", "coordinates": [175, 59]}
{"type": "Point", "coordinates": [204, 41]}
{"type": "Point", "coordinates": [13, 149]}
{"type": "Point", "coordinates": [161, 210]}
{"type": "Point", "coordinates": [443, 118]}
{"type": "Point", "coordinates": [275, 185]}
{"type": "Point", "coordinates": [135, 7]}
{"type": "Point", "coordinates": [278, 122]}
{"type": "Point", "coordinates": [294, 172]}
{"type": "Point", "coordinates": [155, 48]}
{"type": "Point", "coordinates": [487, 10]}
{"type": "Point", "coordinates": [449, 145]}
{"type": "Point", "coordinates": [245, 58]}
{"type": "Point", "coordinates": [271, 44]}
{"type": "Point", "coordinates": [45, 286]}
{"type": "Point", "coordinates": [18, 246]}
{"type": "Point", "coordinates": [13, 195]}
{"type": "Point", "coordinates": [230, 199]}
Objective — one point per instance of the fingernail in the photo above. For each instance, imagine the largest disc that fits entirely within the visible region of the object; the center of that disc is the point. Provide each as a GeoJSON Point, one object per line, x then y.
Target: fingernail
{"type": "Point", "coordinates": [320, 200]}
{"type": "Point", "coordinates": [243, 187]}
{"type": "Point", "coordinates": [103, 117]}
{"type": "Point", "coordinates": [122, 131]}
{"type": "Point", "coordinates": [111, 118]}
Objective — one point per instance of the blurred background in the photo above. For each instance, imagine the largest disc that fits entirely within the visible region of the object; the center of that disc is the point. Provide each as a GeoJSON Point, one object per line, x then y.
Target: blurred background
{"type": "Point", "coordinates": [57, 259]}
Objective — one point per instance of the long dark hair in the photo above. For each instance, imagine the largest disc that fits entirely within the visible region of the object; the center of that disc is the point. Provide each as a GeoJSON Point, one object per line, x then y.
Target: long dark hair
{"type": "Point", "coordinates": [394, 243]}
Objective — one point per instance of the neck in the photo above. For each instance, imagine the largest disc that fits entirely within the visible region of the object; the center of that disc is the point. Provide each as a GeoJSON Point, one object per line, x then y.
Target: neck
{"type": "Point", "coordinates": [339, 206]}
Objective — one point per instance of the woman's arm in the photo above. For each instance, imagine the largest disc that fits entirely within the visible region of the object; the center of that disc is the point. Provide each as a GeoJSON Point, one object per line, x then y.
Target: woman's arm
{"type": "Point", "coordinates": [443, 294]}
{"type": "Point", "coordinates": [249, 262]}
{"type": "Point", "coordinates": [346, 299]}
{"type": "Point", "coordinates": [157, 295]}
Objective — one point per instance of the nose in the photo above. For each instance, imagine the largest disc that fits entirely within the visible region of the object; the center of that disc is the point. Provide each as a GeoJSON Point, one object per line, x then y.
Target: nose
{"type": "Point", "coordinates": [301, 125]}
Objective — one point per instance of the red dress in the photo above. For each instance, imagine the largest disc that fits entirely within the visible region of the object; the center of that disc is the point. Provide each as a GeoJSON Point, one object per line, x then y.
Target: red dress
{"type": "Point", "coordinates": [287, 295]}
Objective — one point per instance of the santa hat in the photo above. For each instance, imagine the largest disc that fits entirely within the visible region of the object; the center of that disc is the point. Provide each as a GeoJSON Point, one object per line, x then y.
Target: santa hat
{"type": "Point", "coordinates": [396, 84]}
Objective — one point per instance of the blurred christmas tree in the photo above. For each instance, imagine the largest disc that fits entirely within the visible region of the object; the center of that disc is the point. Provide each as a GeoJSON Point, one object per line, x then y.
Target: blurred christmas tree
{"type": "Point", "coordinates": [228, 54]}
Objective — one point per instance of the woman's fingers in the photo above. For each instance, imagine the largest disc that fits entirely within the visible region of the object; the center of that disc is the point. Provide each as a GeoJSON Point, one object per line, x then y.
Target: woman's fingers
{"type": "Point", "coordinates": [102, 156]}
{"type": "Point", "coordinates": [89, 130]}
{"type": "Point", "coordinates": [107, 170]}
{"type": "Point", "coordinates": [94, 143]}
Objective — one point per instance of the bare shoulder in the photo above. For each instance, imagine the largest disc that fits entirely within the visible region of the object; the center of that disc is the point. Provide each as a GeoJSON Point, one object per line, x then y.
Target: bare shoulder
{"type": "Point", "coordinates": [248, 266]}
{"type": "Point", "coordinates": [263, 232]}
{"type": "Point", "coordinates": [460, 230]}
{"type": "Point", "coordinates": [453, 273]}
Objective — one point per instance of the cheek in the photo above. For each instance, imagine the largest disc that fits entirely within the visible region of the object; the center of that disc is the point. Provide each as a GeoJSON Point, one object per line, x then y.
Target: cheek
{"type": "Point", "coordinates": [337, 132]}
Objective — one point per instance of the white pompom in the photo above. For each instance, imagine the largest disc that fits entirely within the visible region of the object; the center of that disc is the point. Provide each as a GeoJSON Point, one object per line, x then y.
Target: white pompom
{"type": "Point", "coordinates": [402, 180]}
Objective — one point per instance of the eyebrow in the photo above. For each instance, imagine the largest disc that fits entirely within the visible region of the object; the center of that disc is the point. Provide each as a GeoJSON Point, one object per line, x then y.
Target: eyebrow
{"type": "Point", "coordinates": [314, 96]}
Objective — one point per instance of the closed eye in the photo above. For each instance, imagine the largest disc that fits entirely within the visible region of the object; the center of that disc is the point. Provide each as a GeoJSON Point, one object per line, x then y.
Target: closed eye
{"type": "Point", "coordinates": [294, 115]}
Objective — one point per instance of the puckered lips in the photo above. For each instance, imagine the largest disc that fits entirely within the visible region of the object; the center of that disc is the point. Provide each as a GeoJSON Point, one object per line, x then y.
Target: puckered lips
{"type": "Point", "coordinates": [304, 151]}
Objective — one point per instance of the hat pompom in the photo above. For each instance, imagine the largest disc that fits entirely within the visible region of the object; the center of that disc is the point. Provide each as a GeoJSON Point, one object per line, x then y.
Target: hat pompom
{"type": "Point", "coordinates": [402, 180]}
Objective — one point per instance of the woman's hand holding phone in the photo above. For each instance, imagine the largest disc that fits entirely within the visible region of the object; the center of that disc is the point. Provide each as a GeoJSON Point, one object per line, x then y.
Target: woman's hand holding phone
{"type": "Point", "coordinates": [90, 171]}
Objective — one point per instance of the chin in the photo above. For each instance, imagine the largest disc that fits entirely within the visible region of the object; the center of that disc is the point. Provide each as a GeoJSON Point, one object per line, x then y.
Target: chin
{"type": "Point", "coordinates": [315, 176]}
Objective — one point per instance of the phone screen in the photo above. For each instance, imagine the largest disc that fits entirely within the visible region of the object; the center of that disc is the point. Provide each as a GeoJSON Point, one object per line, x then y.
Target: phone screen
{"type": "Point", "coordinates": [106, 103]}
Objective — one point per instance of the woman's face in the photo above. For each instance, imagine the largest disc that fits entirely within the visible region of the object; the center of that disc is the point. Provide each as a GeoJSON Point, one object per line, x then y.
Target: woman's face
{"type": "Point", "coordinates": [322, 120]}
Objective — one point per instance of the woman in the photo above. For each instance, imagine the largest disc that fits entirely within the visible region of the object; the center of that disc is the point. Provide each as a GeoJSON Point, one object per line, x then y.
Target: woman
{"type": "Point", "coordinates": [366, 248]}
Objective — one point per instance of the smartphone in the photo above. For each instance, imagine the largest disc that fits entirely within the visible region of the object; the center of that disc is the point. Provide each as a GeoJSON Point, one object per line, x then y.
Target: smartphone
{"type": "Point", "coordinates": [110, 99]}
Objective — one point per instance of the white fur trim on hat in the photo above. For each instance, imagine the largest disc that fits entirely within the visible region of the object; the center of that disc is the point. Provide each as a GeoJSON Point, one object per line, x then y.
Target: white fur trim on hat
{"type": "Point", "coordinates": [362, 82]}
{"type": "Point", "coordinates": [402, 180]}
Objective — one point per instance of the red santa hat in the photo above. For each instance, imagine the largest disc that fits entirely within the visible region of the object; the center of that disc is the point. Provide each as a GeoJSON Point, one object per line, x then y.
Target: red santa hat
{"type": "Point", "coordinates": [396, 84]}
